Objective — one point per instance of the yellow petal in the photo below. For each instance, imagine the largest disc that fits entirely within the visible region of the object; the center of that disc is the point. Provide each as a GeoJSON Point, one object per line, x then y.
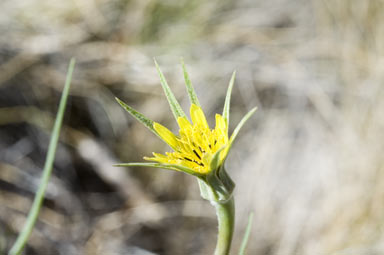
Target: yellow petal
{"type": "Point", "coordinates": [184, 123]}
{"type": "Point", "coordinates": [158, 155]}
{"type": "Point", "coordinates": [207, 159]}
{"type": "Point", "coordinates": [167, 135]}
{"type": "Point", "coordinates": [221, 126]}
{"type": "Point", "coordinates": [158, 158]}
{"type": "Point", "coordinates": [198, 117]}
{"type": "Point", "coordinates": [151, 159]}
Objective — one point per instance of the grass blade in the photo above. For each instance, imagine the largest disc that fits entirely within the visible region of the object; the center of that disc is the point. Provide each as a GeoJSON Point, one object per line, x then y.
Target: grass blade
{"type": "Point", "coordinates": [190, 89]}
{"type": "Point", "coordinates": [175, 106]}
{"type": "Point", "coordinates": [22, 239]}
{"type": "Point", "coordinates": [246, 235]}
{"type": "Point", "coordinates": [228, 98]}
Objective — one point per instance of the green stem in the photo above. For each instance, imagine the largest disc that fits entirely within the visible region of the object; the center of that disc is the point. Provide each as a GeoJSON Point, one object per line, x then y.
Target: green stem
{"type": "Point", "coordinates": [22, 239]}
{"type": "Point", "coordinates": [226, 217]}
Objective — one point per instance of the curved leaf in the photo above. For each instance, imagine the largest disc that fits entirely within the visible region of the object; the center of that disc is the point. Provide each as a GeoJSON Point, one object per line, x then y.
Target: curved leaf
{"type": "Point", "coordinates": [238, 127]}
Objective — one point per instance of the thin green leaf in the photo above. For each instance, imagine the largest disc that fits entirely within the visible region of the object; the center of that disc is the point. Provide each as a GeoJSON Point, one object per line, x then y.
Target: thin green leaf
{"type": "Point", "coordinates": [137, 115]}
{"type": "Point", "coordinates": [246, 235]}
{"type": "Point", "coordinates": [22, 239]}
{"type": "Point", "coordinates": [164, 166]}
{"type": "Point", "coordinates": [191, 91]}
{"type": "Point", "coordinates": [239, 126]}
{"type": "Point", "coordinates": [228, 99]}
{"type": "Point", "coordinates": [175, 106]}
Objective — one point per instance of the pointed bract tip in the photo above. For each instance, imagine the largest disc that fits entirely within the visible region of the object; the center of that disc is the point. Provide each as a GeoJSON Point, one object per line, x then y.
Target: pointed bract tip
{"type": "Point", "coordinates": [154, 60]}
{"type": "Point", "coordinates": [253, 110]}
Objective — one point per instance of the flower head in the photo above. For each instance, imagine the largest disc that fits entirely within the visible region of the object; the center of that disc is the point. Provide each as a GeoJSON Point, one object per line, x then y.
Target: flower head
{"type": "Point", "coordinates": [197, 149]}
{"type": "Point", "coordinates": [196, 143]}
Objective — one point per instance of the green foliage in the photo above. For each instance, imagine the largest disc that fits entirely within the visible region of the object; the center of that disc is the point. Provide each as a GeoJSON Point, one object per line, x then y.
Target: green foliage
{"type": "Point", "coordinates": [175, 106]}
{"type": "Point", "coordinates": [239, 126]}
{"type": "Point", "coordinates": [22, 239]}
{"type": "Point", "coordinates": [139, 116]}
{"type": "Point", "coordinates": [191, 91]}
{"type": "Point", "coordinates": [228, 99]}
{"type": "Point", "coordinates": [246, 235]}
{"type": "Point", "coordinates": [163, 166]}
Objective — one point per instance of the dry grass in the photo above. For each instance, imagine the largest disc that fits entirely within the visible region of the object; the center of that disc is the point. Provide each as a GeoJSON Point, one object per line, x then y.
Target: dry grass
{"type": "Point", "coordinates": [309, 164]}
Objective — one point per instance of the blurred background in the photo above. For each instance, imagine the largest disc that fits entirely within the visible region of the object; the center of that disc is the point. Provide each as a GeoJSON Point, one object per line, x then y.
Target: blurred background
{"type": "Point", "coordinates": [309, 163]}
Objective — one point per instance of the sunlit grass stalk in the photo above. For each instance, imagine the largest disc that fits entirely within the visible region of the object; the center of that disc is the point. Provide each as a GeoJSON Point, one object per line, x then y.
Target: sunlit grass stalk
{"type": "Point", "coordinates": [23, 237]}
{"type": "Point", "coordinates": [247, 234]}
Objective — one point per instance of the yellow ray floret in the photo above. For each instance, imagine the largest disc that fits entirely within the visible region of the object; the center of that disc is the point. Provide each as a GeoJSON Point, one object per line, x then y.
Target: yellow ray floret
{"type": "Point", "coordinates": [196, 143]}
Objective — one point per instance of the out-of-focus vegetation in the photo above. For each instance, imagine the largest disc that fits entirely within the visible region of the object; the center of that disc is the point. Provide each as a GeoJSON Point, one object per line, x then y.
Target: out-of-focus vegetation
{"type": "Point", "coordinates": [309, 164]}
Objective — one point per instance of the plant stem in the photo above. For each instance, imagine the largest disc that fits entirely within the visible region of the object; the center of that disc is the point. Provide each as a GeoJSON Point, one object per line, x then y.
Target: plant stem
{"type": "Point", "coordinates": [226, 218]}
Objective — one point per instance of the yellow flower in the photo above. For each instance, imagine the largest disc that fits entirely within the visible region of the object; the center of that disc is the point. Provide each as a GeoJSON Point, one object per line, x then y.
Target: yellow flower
{"type": "Point", "coordinates": [196, 143]}
{"type": "Point", "coordinates": [197, 149]}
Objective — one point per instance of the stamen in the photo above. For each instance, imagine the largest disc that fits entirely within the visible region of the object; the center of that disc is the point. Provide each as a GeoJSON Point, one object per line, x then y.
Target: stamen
{"type": "Point", "coordinates": [194, 161]}
{"type": "Point", "coordinates": [197, 155]}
